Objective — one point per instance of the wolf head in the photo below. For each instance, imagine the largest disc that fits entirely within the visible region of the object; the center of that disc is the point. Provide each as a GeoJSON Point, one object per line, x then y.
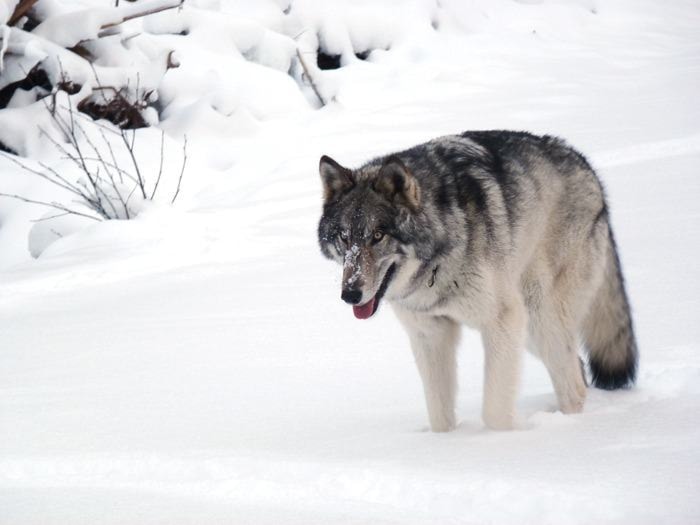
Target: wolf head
{"type": "Point", "coordinates": [367, 218]}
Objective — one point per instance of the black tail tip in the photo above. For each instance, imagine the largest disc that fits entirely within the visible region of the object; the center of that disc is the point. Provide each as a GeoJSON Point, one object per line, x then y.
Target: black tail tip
{"type": "Point", "coordinates": [608, 378]}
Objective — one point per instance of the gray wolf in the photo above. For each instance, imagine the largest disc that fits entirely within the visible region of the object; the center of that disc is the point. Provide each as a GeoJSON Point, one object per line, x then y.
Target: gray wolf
{"type": "Point", "coordinates": [505, 232]}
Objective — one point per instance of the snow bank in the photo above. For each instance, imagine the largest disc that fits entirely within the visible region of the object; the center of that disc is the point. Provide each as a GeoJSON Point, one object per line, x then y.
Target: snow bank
{"type": "Point", "coordinates": [72, 27]}
{"type": "Point", "coordinates": [51, 227]}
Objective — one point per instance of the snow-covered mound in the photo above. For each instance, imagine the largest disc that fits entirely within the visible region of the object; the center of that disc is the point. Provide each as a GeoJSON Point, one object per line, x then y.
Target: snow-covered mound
{"type": "Point", "coordinates": [195, 364]}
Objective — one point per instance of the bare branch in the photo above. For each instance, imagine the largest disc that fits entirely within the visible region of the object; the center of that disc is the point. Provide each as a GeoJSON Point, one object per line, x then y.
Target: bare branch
{"type": "Point", "coordinates": [130, 149]}
{"type": "Point", "coordinates": [22, 9]}
{"type": "Point", "coordinates": [172, 62]}
{"type": "Point", "coordinates": [42, 219]}
{"type": "Point", "coordinates": [310, 78]}
{"type": "Point", "coordinates": [114, 159]}
{"type": "Point", "coordinates": [101, 160]}
{"type": "Point", "coordinates": [60, 147]}
{"type": "Point", "coordinates": [131, 193]}
{"type": "Point", "coordinates": [111, 178]}
{"type": "Point", "coordinates": [182, 170]}
{"type": "Point", "coordinates": [126, 18]}
{"type": "Point", "coordinates": [160, 168]}
{"type": "Point", "coordinates": [50, 205]}
{"type": "Point", "coordinates": [61, 182]}
{"type": "Point", "coordinates": [114, 167]}
{"type": "Point", "coordinates": [97, 79]}
{"type": "Point", "coordinates": [94, 179]}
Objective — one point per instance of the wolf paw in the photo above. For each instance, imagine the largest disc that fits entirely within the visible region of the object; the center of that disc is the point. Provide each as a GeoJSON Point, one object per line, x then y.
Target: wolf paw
{"type": "Point", "coordinates": [572, 406]}
{"type": "Point", "coordinates": [572, 401]}
{"type": "Point", "coordinates": [499, 421]}
{"type": "Point", "coordinates": [442, 428]}
{"type": "Point", "coordinates": [443, 425]}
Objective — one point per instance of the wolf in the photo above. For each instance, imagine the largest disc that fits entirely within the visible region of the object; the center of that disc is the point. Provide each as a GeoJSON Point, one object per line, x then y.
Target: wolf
{"type": "Point", "coordinates": [501, 231]}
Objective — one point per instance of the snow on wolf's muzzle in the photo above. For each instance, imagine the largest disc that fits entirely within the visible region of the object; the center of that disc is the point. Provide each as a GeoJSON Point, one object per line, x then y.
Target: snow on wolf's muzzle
{"type": "Point", "coordinates": [356, 281]}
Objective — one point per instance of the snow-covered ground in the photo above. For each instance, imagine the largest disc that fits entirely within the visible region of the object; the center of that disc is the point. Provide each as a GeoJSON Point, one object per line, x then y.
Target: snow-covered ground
{"type": "Point", "coordinates": [196, 365]}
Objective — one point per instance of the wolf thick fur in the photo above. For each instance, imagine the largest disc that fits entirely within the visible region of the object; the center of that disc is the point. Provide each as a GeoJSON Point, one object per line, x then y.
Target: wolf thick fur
{"type": "Point", "coordinates": [505, 232]}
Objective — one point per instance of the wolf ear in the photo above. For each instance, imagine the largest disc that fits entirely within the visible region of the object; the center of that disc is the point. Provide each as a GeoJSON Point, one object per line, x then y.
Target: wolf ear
{"type": "Point", "coordinates": [336, 179]}
{"type": "Point", "coordinates": [398, 184]}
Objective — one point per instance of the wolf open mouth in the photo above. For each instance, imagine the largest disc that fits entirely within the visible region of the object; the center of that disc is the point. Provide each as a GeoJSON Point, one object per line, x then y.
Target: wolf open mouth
{"type": "Point", "coordinates": [365, 311]}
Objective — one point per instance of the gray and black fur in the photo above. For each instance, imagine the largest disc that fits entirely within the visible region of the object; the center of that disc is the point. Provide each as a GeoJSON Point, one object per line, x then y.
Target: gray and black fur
{"type": "Point", "coordinates": [503, 231]}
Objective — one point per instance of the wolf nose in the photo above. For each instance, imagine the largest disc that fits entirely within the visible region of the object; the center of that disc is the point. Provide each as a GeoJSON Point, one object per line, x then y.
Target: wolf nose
{"type": "Point", "coordinates": [351, 296]}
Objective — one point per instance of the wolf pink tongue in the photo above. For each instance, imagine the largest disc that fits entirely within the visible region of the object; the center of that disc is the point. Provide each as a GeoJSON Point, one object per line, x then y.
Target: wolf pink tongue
{"type": "Point", "coordinates": [365, 311]}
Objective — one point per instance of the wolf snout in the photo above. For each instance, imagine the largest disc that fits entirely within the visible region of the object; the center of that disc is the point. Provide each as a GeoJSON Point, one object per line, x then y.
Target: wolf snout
{"type": "Point", "coordinates": [351, 296]}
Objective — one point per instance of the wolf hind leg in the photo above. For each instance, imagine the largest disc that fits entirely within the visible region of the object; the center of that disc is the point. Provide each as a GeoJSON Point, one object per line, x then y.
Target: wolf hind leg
{"type": "Point", "coordinates": [434, 343]}
{"type": "Point", "coordinates": [556, 316]}
{"type": "Point", "coordinates": [553, 335]}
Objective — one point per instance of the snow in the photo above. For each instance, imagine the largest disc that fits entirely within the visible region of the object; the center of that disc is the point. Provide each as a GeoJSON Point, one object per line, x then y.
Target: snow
{"type": "Point", "coordinates": [74, 27]}
{"type": "Point", "coordinates": [196, 364]}
{"type": "Point", "coordinates": [51, 227]}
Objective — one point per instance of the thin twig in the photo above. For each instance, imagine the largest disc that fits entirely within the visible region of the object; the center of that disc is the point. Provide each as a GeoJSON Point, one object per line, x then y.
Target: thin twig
{"type": "Point", "coordinates": [42, 219]}
{"type": "Point", "coordinates": [160, 168]}
{"type": "Point", "coordinates": [97, 80]}
{"type": "Point", "coordinates": [114, 167]}
{"type": "Point", "coordinates": [69, 132]}
{"type": "Point", "coordinates": [94, 179]}
{"type": "Point", "coordinates": [61, 182]}
{"type": "Point", "coordinates": [111, 153]}
{"type": "Point", "coordinates": [311, 79]}
{"type": "Point", "coordinates": [171, 61]}
{"type": "Point", "coordinates": [130, 149]}
{"type": "Point", "coordinates": [182, 170]}
{"type": "Point", "coordinates": [62, 179]}
{"type": "Point", "coordinates": [50, 205]}
{"type": "Point", "coordinates": [153, 11]}
{"type": "Point", "coordinates": [100, 189]}
{"type": "Point", "coordinates": [131, 193]}
{"type": "Point", "coordinates": [61, 148]}
{"type": "Point", "coordinates": [107, 170]}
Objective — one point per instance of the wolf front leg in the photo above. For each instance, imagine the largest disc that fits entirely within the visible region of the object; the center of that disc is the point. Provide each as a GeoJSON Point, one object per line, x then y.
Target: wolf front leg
{"type": "Point", "coordinates": [434, 344]}
{"type": "Point", "coordinates": [504, 341]}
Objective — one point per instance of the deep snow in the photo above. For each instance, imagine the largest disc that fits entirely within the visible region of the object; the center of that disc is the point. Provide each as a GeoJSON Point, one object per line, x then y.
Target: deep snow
{"type": "Point", "coordinates": [196, 364]}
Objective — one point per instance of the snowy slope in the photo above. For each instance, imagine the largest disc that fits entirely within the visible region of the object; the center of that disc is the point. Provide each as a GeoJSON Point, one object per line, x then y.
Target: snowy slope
{"type": "Point", "coordinates": [195, 365]}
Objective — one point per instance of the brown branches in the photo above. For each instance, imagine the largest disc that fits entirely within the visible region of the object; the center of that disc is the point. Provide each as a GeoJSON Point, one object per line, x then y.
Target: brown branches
{"type": "Point", "coordinates": [126, 18]}
{"type": "Point", "coordinates": [20, 10]}
{"type": "Point", "coordinates": [118, 109]}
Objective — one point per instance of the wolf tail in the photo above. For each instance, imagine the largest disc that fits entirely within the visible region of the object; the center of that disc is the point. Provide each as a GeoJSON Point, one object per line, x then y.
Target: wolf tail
{"type": "Point", "coordinates": [607, 330]}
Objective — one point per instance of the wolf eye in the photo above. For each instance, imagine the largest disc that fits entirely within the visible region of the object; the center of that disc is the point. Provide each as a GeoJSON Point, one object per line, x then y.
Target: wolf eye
{"type": "Point", "coordinates": [344, 236]}
{"type": "Point", "coordinates": [378, 235]}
